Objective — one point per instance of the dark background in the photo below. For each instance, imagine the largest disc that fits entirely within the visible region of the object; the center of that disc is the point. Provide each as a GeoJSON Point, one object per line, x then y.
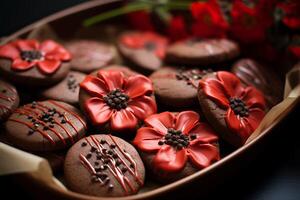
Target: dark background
{"type": "Point", "coordinates": [275, 172]}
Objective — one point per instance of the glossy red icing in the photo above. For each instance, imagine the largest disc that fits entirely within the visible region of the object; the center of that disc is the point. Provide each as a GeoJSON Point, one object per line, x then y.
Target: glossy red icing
{"type": "Point", "coordinates": [53, 54]}
{"type": "Point", "coordinates": [146, 40]}
{"type": "Point", "coordinates": [201, 151]}
{"type": "Point", "coordinates": [225, 86]}
{"type": "Point", "coordinates": [137, 87]}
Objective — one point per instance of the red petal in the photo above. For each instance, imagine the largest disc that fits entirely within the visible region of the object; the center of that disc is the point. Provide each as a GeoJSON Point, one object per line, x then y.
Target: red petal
{"type": "Point", "coordinates": [255, 117]}
{"type": "Point", "coordinates": [49, 66]}
{"type": "Point", "coordinates": [19, 64]}
{"type": "Point", "coordinates": [203, 155]}
{"type": "Point", "coordinates": [55, 51]}
{"type": "Point", "coordinates": [147, 139]}
{"type": "Point", "coordinates": [113, 79]}
{"type": "Point", "coordinates": [215, 90]}
{"type": "Point", "coordinates": [94, 86]}
{"type": "Point", "coordinates": [137, 86]}
{"type": "Point", "coordinates": [27, 45]}
{"type": "Point", "coordinates": [186, 121]}
{"type": "Point", "coordinates": [123, 119]}
{"type": "Point", "coordinates": [142, 107]}
{"type": "Point", "coordinates": [9, 51]}
{"type": "Point", "coordinates": [97, 110]}
{"type": "Point", "coordinates": [231, 83]}
{"type": "Point", "coordinates": [161, 122]}
{"type": "Point", "coordinates": [204, 133]}
{"type": "Point", "coordinates": [169, 159]}
{"type": "Point", "coordinates": [254, 98]}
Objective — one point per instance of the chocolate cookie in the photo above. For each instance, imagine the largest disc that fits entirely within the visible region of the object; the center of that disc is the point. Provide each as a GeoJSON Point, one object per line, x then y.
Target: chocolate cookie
{"type": "Point", "coordinates": [125, 70]}
{"type": "Point", "coordinates": [33, 64]}
{"type": "Point", "coordinates": [116, 102]}
{"type": "Point", "coordinates": [90, 55]}
{"type": "Point", "coordinates": [233, 110]}
{"type": "Point", "coordinates": [9, 100]}
{"type": "Point", "coordinates": [67, 90]}
{"type": "Point", "coordinates": [196, 51]}
{"type": "Point", "coordinates": [146, 50]}
{"type": "Point", "coordinates": [253, 73]}
{"type": "Point", "coordinates": [45, 126]}
{"type": "Point", "coordinates": [104, 165]}
{"type": "Point", "coordinates": [177, 86]}
{"type": "Point", "coordinates": [176, 145]}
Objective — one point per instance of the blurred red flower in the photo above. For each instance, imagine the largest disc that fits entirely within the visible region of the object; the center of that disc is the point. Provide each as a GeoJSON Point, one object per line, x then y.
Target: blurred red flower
{"type": "Point", "coordinates": [177, 29]}
{"type": "Point", "coordinates": [209, 20]}
{"type": "Point", "coordinates": [140, 20]}
{"type": "Point", "coordinates": [291, 13]}
{"type": "Point", "coordinates": [295, 50]}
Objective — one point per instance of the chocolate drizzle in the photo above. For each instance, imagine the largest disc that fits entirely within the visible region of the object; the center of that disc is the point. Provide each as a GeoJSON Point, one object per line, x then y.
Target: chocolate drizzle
{"type": "Point", "coordinates": [191, 76]}
{"type": "Point", "coordinates": [109, 157]}
{"type": "Point", "coordinates": [43, 119]}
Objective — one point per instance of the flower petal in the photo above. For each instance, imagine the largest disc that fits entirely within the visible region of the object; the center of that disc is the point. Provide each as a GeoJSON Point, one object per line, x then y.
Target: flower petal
{"type": "Point", "coordinates": [137, 86]}
{"type": "Point", "coordinates": [21, 65]}
{"type": "Point", "coordinates": [49, 66]}
{"type": "Point", "coordinates": [123, 120]}
{"type": "Point", "coordinates": [113, 79]}
{"type": "Point", "coordinates": [97, 110]}
{"type": "Point", "coordinates": [54, 51]}
{"type": "Point", "coordinates": [231, 83]}
{"type": "Point", "coordinates": [169, 159]}
{"type": "Point", "coordinates": [147, 139]}
{"type": "Point", "coordinates": [186, 121]}
{"type": "Point", "coordinates": [203, 155]}
{"type": "Point", "coordinates": [94, 86]}
{"type": "Point", "coordinates": [214, 89]}
{"type": "Point", "coordinates": [161, 122]}
{"type": "Point", "coordinates": [254, 98]}
{"type": "Point", "coordinates": [27, 45]}
{"type": "Point", "coordinates": [255, 117]}
{"type": "Point", "coordinates": [9, 51]}
{"type": "Point", "coordinates": [204, 133]}
{"type": "Point", "coordinates": [142, 107]}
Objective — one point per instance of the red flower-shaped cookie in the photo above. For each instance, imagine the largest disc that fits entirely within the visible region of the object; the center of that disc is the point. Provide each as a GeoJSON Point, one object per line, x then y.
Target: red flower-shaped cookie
{"type": "Point", "coordinates": [122, 101]}
{"type": "Point", "coordinates": [177, 138]}
{"type": "Point", "coordinates": [245, 105]}
{"type": "Point", "coordinates": [146, 40]}
{"type": "Point", "coordinates": [26, 54]}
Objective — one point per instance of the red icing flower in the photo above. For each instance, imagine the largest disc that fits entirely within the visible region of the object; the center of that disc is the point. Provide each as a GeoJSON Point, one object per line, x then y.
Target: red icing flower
{"type": "Point", "coordinates": [146, 40]}
{"type": "Point", "coordinates": [245, 105]}
{"type": "Point", "coordinates": [291, 13]}
{"type": "Point", "coordinates": [26, 54]}
{"type": "Point", "coordinates": [177, 29]}
{"type": "Point", "coordinates": [175, 138]}
{"type": "Point", "coordinates": [118, 99]}
{"type": "Point", "coordinates": [209, 19]}
{"type": "Point", "coordinates": [140, 20]}
{"type": "Point", "coordinates": [250, 24]}
{"type": "Point", "coordinates": [295, 50]}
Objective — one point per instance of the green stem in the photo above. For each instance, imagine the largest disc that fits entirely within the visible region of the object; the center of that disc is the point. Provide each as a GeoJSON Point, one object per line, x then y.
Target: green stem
{"type": "Point", "coordinates": [114, 13]}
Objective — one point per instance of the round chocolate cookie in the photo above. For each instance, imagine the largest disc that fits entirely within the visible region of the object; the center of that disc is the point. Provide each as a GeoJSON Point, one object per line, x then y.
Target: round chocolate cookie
{"type": "Point", "coordinates": [146, 50]}
{"type": "Point", "coordinates": [104, 165]}
{"type": "Point", "coordinates": [9, 100]}
{"type": "Point", "coordinates": [177, 86]}
{"type": "Point", "coordinates": [196, 51]}
{"type": "Point", "coordinates": [45, 126]}
{"type": "Point", "coordinates": [90, 55]}
{"type": "Point", "coordinates": [125, 70]}
{"type": "Point", "coordinates": [253, 73]}
{"type": "Point", "coordinates": [67, 90]}
{"type": "Point", "coordinates": [176, 145]}
{"type": "Point", "coordinates": [118, 102]}
{"type": "Point", "coordinates": [33, 64]}
{"type": "Point", "coordinates": [235, 111]}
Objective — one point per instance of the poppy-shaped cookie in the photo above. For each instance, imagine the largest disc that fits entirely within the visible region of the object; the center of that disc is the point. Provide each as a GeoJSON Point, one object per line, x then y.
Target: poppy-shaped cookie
{"type": "Point", "coordinates": [30, 63]}
{"type": "Point", "coordinates": [175, 145]}
{"type": "Point", "coordinates": [114, 101]}
{"type": "Point", "coordinates": [143, 49]}
{"type": "Point", "coordinates": [197, 51]}
{"type": "Point", "coordinates": [234, 110]}
{"type": "Point", "coordinates": [177, 87]}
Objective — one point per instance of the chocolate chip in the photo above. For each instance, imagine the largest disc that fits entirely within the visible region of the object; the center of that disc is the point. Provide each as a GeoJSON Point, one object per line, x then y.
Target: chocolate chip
{"type": "Point", "coordinates": [88, 156]}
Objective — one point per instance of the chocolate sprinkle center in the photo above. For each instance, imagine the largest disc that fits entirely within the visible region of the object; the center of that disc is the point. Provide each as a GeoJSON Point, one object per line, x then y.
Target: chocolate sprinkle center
{"type": "Point", "coordinates": [239, 107]}
{"type": "Point", "coordinates": [31, 55]}
{"type": "Point", "coordinates": [116, 99]}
